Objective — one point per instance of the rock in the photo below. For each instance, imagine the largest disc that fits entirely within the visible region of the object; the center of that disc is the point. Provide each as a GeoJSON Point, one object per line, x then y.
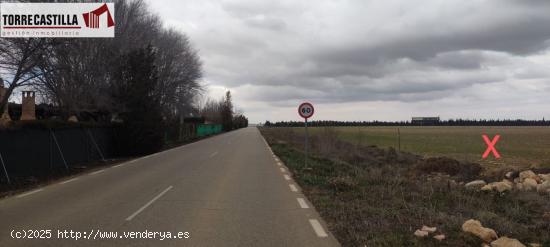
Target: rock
{"type": "Point", "coordinates": [544, 187]}
{"type": "Point", "coordinates": [519, 186]}
{"type": "Point", "coordinates": [477, 184]}
{"type": "Point", "coordinates": [487, 187]}
{"type": "Point", "coordinates": [429, 229]}
{"type": "Point", "coordinates": [502, 186]}
{"type": "Point", "coordinates": [512, 175]}
{"type": "Point", "coordinates": [506, 242]}
{"type": "Point", "coordinates": [545, 177]}
{"type": "Point", "coordinates": [527, 174]}
{"type": "Point", "coordinates": [485, 245]}
{"type": "Point", "coordinates": [509, 175]}
{"type": "Point", "coordinates": [420, 233]}
{"type": "Point", "coordinates": [529, 184]}
{"type": "Point", "coordinates": [508, 182]}
{"type": "Point", "coordinates": [439, 237]}
{"type": "Point", "coordinates": [474, 227]}
{"type": "Point", "coordinates": [453, 183]}
{"type": "Point", "coordinates": [498, 186]}
{"type": "Point", "coordinates": [73, 119]}
{"type": "Point", "coordinates": [535, 245]}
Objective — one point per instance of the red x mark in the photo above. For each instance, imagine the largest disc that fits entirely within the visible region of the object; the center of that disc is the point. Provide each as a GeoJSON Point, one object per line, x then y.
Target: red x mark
{"type": "Point", "coordinates": [491, 146]}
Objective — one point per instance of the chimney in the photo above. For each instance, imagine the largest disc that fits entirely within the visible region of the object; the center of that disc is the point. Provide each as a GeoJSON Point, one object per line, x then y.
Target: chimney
{"type": "Point", "coordinates": [28, 107]}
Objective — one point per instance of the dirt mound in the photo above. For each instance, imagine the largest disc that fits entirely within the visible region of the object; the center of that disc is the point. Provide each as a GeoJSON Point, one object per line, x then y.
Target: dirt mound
{"type": "Point", "coordinates": [463, 171]}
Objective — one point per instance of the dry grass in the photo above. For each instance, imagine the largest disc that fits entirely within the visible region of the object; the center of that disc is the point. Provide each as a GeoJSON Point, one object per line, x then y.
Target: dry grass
{"type": "Point", "coordinates": [379, 197]}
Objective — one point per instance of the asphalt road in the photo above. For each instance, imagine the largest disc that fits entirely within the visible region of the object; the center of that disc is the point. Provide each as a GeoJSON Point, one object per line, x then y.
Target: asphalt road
{"type": "Point", "coordinates": [227, 190]}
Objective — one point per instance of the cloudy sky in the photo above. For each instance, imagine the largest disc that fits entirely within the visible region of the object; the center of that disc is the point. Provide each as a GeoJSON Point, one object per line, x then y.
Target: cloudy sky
{"type": "Point", "coordinates": [372, 60]}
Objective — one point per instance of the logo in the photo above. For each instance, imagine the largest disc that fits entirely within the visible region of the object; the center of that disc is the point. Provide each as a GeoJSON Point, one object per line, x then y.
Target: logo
{"type": "Point", "coordinates": [92, 18]}
{"type": "Point", "coordinates": [61, 20]}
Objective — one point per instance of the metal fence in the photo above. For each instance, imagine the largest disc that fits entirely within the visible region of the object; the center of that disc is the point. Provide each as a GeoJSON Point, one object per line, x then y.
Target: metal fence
{"type": "Point", "coordinates": [35, 151]}
{"type": "Point", "coordinates": [208, 129]}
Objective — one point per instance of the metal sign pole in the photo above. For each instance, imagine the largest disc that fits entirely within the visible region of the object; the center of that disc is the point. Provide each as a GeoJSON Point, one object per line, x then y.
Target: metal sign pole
{"type": "Point", "coordinates": [5, 171]}
{"type": "Point", "coordinates": [306, 142]}
{"type": "Point", "coordinates": [306, 110]}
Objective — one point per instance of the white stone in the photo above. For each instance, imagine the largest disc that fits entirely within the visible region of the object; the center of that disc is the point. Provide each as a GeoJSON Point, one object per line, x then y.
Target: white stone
{"type": "Point", "coordinates": [527, 174]}
{"type": "Point", "coordinates": [475, 184]}
{"type": "Point", "coordinates": [420, 233]}
{"type": "Point", "coordinates": [506, 242]}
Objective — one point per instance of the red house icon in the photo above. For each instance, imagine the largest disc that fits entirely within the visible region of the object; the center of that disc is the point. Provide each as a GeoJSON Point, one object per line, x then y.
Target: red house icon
{"type": "Point", "coordinates": [92, 18]}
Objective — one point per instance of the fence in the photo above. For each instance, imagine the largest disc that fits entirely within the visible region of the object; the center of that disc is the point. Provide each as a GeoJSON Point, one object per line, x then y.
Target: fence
{"type": "Point", "coordinates": [208, 129]}
{"type": "Point", "coordinates": [36, 151]}
{"type": "Point", "coordinates": [30, 151]}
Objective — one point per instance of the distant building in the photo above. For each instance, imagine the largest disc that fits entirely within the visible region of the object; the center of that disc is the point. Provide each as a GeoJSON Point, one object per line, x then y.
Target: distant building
{"type": "Point", "coordinates": [425, 120]}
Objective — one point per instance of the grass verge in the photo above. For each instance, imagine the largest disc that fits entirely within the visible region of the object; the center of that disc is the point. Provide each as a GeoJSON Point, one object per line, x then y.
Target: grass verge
{"type": "Point", "coordinates": [378, 197]}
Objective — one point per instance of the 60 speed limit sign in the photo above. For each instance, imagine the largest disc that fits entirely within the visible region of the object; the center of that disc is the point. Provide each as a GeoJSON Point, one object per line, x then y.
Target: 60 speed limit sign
{"type": "Point", "coordinates": [306, 110]}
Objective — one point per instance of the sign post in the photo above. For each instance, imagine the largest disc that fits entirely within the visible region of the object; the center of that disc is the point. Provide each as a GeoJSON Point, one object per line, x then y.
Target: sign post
{"type": "Point", "coordinates": [306, 111]}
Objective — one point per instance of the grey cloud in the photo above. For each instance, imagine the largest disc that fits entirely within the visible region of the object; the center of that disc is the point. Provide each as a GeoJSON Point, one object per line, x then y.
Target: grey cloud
{"type": "Point", "coordinates": [263, 22]}
{"type": "Point", "coordinates": [280, 52]}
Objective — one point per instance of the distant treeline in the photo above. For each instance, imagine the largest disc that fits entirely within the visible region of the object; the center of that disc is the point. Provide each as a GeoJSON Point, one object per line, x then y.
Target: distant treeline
{"type": "Point", "coordinates": [451, 122]}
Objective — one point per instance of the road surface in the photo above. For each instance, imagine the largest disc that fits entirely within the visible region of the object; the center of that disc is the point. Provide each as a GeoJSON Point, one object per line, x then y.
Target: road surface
{"type": "Point", "coordinates": [228, 190]}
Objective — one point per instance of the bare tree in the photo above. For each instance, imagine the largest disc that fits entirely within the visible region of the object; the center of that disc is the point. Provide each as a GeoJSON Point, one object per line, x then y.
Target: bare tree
{"type": "Point", "coordinates": [211, 111]}
{"type": "Point", "coordinates": [179, 71]}
{"type": "Point", "coordinates": [19, 58]}
{"type": "Point", "coordinates": [83, 78]}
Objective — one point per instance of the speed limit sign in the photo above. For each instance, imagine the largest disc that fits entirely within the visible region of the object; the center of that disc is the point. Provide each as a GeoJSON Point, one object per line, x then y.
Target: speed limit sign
{"type": "Point", "coordinates": [306, 110]}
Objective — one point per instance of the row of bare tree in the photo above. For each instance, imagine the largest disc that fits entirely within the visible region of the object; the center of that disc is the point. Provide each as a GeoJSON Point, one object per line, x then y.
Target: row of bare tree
{"type": "Point", "coordinates": [83, 75]}
{"type": "Point", "coordinates": [222, 112]}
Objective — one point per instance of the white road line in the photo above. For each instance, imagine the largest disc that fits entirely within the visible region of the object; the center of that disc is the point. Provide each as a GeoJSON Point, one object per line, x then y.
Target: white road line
{"type": "Point", "coordinates": [149, 203]}
{"type": "Point", "coordinates": [282, 169]}
{"type": "Point", "coordinates": [293, 187]}
{"type": "Point", "coordinates": [119, 165]}
{"type": "Point", "coordinates": [97, 172]}
{"type": "Point", "coordinates": [68, 181]}
{"type": "Point", "coordinates": [302, 202]}
{"type": "Point", "coordinates": [318, 228]}
{"type": "Point", "coordinates": [287, 177]}
{"type": "Point", "coordinates": [213, 154]}
{"type": "Point", "coordinates": [29, 193]}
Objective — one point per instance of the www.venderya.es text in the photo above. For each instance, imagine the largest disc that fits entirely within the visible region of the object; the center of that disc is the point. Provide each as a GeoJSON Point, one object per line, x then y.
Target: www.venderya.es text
{"type": "Point", "coordinates": [96, 234]}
